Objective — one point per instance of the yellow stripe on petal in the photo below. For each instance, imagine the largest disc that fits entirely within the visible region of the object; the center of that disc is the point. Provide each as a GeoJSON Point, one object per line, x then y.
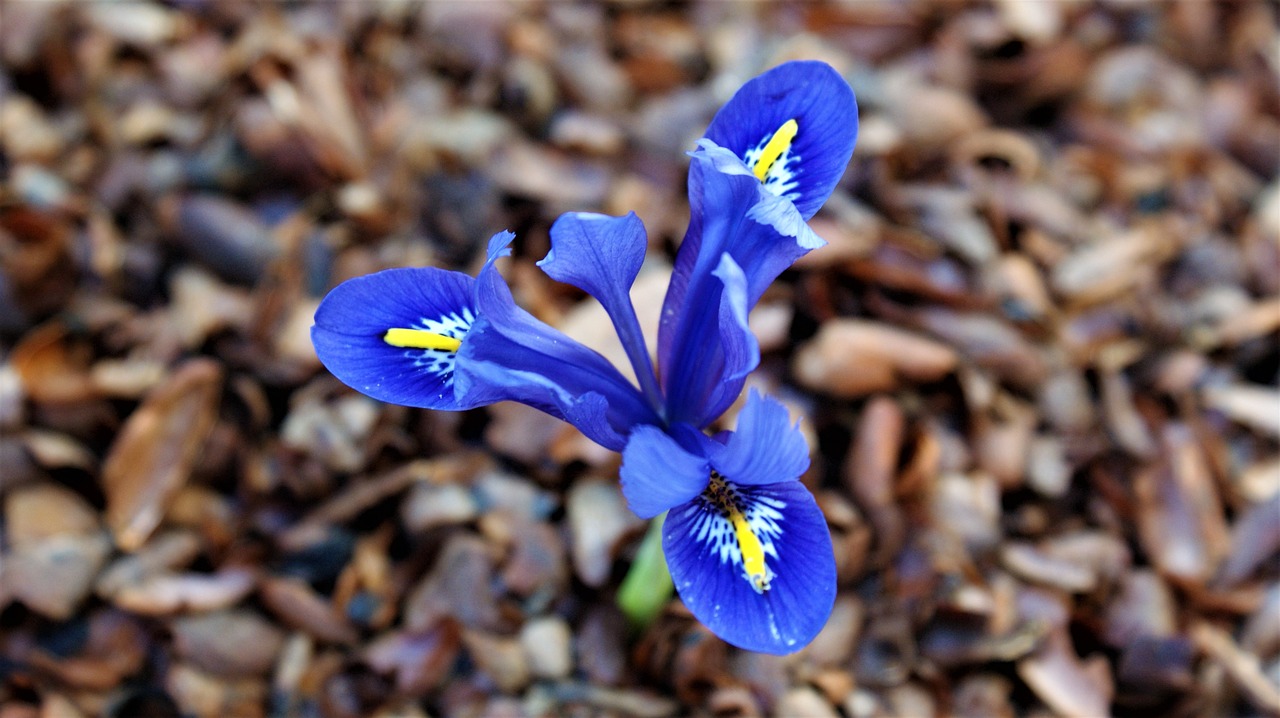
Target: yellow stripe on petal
{"type": "Point", "coordinates": [728, 508]}
{"type": "Point", "coordinates": [752, 552]}
{"type": "Point", "coordinates": [421, 339]}
{"type": "Point", "coordinates": [777, 144]}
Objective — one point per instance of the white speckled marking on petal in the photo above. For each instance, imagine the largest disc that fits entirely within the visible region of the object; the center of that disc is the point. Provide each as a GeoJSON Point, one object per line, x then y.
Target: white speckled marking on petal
{"type": "Point", "coordinates": [781, 177]}
{"type": "Point", "coordinates": [715, 531]}
{"type": "Point", "coordinates": [440, 363]}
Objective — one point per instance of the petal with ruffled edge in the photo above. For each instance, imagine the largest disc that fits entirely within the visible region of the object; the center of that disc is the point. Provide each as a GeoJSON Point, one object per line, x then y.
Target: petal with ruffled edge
{"type": "Point", "coordinates": [428, 313]}
{"type": "Point", "coordinates": [766, 446]}
{"type": "Point", "coordinates": [800, 120]}
{"type": "Point", "coordinates": [707, 566]}
{"type": "Point", "coordinates": [511, 356]}
{"type": "Point", "coordinates": [657, 473]}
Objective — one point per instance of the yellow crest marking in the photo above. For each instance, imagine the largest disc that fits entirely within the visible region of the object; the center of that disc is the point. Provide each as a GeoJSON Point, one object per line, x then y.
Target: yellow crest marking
{"type": "Point", "coordinates": [754, 569]}
{"type": "Point", "coordinates": [752, 551]}
{"type": "Point", "coordinates": [776, 145]}
{"type": "Point", "coordinates": [420, 339]}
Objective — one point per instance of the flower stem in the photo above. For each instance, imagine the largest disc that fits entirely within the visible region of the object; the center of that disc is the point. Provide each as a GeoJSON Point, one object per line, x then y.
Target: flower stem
{"type": "Point", "coordinates": [647, 587]}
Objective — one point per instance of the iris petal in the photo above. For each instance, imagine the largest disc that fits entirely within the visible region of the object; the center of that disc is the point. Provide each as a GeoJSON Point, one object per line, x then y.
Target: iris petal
{"type": "Point", "coordinates": [707, 567]}
{"type": "Point", "coordinates": [765, 447]}
{"type": "Point", "coordinates": [776, 235]}
{"type": "Point", "coordinates": [488, 382]}
{"type": "Point", "coordinates": [658, 474]}
{"type": "Point", "coordinates": [510, 355]}
{"type": "Point", "coordinates": [782, 216]}
{"type": "Point", "coordinates": [799, 119]}
{"type": "Point", "coordinates": [737, 342]}
{"type": "Point", "coordinates": [826, 116]}
{"type": "Point", "coordinates": [741, 222]}
{"type": "Point", "coordinates": [716, 349]}
{"type": "Point", "coordinates": [730, 198]}
{"type": "Point", "coordinates": [601, 255]}
{"type": "Point", "coordinates": [351, 325]}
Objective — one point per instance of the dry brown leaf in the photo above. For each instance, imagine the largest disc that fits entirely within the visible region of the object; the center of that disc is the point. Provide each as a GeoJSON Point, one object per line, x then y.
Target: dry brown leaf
{"type": "Point", "coordinates": [1243, 667]}
{"type": "Point", "coordinates": [1180, 517]}
{"type": "Point", "coordinates": [1070, 686]}
{"type": "Point", "coordinates": [46, 510]}
{"type": "Point", "coordinates": [51, 367]}
{"type": "Point", "coordinates": [854, 357]}
{"type": "Point", "coordinates": [157, 449]}
{"type": "Point", "coordinates": [166, 594]}
{"type": "Point", "coordinates": [598, 519]}
{"type": "Point", "coordinates": [235, 643]}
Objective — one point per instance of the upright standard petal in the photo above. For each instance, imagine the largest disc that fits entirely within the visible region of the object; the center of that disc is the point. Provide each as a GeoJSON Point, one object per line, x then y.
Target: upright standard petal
{"type": "Point", "coordinates": [734, 217]}
{"type": "Point", "coordinates": [715, 349]}
{"type": "Point", "coordinates": [753, 563]}
{"type": "Point", "coordinates": [511, 356]}
{"type": "Point", "coordinates": [794, 127]}
{"type": "Point", "coordinates": [788, 134]}
{"type": "Point", "coordinates": [687, 257]}
{"type": "Point", "coordinates": [395, 335]}
{"type": "Point", "coordinates": [602, 255]}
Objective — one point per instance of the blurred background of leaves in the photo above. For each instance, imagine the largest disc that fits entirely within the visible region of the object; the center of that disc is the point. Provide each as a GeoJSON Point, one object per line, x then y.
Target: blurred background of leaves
{"type": "Point", "coordinates": [1039, 361]}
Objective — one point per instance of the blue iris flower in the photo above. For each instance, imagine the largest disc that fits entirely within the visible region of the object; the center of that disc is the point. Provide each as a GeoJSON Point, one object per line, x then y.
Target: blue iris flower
{"type": "Point", "coordinates": [746, 545]}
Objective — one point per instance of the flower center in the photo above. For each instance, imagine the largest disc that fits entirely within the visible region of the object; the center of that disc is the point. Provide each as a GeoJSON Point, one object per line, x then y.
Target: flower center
{"type": "Point", "coordinates": [722, 495]}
